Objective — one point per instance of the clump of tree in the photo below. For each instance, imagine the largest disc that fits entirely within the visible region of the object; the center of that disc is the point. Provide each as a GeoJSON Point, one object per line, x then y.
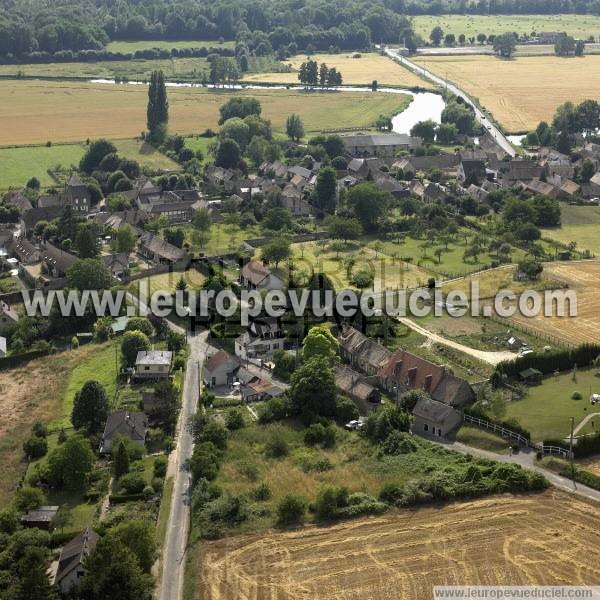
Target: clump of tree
{"type": "Point", "coordinates": [505, 44]}
{"type": "Point", "coordinates": [312, 75]}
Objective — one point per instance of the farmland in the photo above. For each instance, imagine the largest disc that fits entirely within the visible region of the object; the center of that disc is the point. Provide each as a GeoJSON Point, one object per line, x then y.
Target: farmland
{"type": "Point", "coordinates": [547, 409]}
{"type": "Point", "coordinates": [121, 46]}
{"type": "Point", "coordinates": [358, 71]}
{"type": "Point", "coordinates": [579, 26]}
{"type": "Point", "coordinates": [403, 554]}
{"type": "Point", "coordinates": [18, 164]}
{"type": "Point", "coordinates": [579, 224]}
{"type": "Point", "coordinates": [524, 90]}
{"type": "Point", "coordinates": [35, 112]}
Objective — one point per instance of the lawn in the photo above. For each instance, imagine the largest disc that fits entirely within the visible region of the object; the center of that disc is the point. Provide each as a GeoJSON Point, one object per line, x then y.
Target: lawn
{"type": "Point", "coordinates": [547, 409]}
{"type": "Point", "coordinates": [523, 91]}
{"type": "Point", "coordinates": [579, 26]}
{"type": "Point", "coordinates": [223, 238]}
{"type": "Point", "coordinates": [479, 438]}
{"type": "Point", "coordinates": [166, 44]}
{"type": "Point", "coordinates": [35, 111]}
{"type": "Point", "coordinates": [579, 224]}
{"type": "Point", "coordinates": [167, 282]}
{"type": "Point", "coordinates": [99, 365]}
{"type": "Point", "coordinates": [357, 71]}
{"type": "Point", "coordinates": [19, 164]}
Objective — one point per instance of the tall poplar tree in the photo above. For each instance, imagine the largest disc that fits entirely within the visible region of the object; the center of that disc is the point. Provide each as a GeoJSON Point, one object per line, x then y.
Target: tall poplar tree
{"type": "Point", "coordinates": [158, 107]}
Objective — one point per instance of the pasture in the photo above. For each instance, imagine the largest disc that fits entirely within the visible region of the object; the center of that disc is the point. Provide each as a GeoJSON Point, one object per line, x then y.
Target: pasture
{"type": "Point", "coordinates": [121, 46]}
{"type": "Point", "coordinates": [578, 224]}
{"type": "Point", "coordinates": [357, 71]}
{"type": "Point", "coordinates": [35, 112]}
{"type": "Point", "coordinates": [579, 26]}
{"type": "Point", "coordinates": [540, 539]}
{"type": "Point", "coordinates": [546, 410]}
{"type": "Point", "coordinates": [522, 91]}
{"type": "Point", "coordinates": [18, 164]}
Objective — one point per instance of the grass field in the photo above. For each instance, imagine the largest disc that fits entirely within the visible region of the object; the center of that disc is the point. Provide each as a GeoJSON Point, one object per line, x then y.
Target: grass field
{"type": "Point", "coordinates": [165, 44]}
{"type": "Point", "coordinates": [523, 91]}
{"type": "Point", "coordinates": [579, 26]}
{"type": "Point", "coordinates": [579, 224]}
{"type": "Point", "coordinates": [35, 112]}
{"type": "Point", "coordinates": [358, 71]}
{"type": "Point", "coordinates": [539, 539]}
{"type": "Point", "coordinates": [167, 281]}
{"type": "Point", "coordinates": [19, 164]}
{"type": "Point", "coordinates": [547, 409]}
{"type": "Point", "coordinates": [479, 438]}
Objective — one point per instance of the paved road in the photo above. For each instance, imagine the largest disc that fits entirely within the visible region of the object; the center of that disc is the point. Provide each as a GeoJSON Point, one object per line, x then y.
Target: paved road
{"type": "Point", "coordinates": [177, 530]}
{"type": "Point", "coordinates": [526, 458]}
{"type": "Point", "coordinates": [489, 357]}
{"type": "Point", "coordinates": [491, 129]}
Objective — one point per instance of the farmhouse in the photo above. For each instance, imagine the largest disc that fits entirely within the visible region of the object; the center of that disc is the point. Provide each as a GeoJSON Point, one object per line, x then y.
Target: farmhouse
{"type": "Point", "coordinates": [385, 145]}
{"type": "Point", "coordinates": [161, 252]}
{"type": "Point", "coordinates": [353, 384]}
{"type": "Point", "coordinates": [8, 317]}
{"type": "Point", "coordinates": [32, 217]}
{"type": "Point", "coordinates": [153, 364]}
{"type": "Point", "coordinates": [71, 563]}
{"type": "Point", "coordinates": [17, 199]}
{"type": "Point", "coordinates": [24, 250]}
{"type": "Point", "coordinates": [123, 423]}
{"type": "Point", "coordinates": [255, 276]}
{"type": "Point", "coordinates": [471, 171]}
{"type": "Point", "coordinates": [435, 419]}
{"type": "Point", "coordinates": [362, 352]}
{"type": "Point", "coordinates": [117, 264]}
{"type": "Point", "coordinates": [261, 340]}
{"type": "Point", "coordinates": [41, 517]}
{"type": "Point", "coordinates": [221, 369]}
{"type": "Point", "coordinates": [55, 261]}
{"type": "Point", "coordinates": [76, 195]}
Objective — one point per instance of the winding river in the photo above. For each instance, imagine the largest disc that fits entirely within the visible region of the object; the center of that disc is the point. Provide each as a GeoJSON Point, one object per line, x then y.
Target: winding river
{"type": "Point", "coordinates": [424, 105]}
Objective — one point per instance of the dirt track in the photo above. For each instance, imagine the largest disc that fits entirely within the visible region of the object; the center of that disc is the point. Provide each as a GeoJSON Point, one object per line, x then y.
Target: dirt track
{"type": "Point", "coordinates": [547, 538]}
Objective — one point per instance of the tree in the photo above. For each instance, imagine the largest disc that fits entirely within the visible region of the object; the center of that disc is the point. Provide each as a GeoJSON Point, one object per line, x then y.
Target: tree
{"type": "Point", "coordinates": [319, 343]}
{"type": "Point", "coordinates": [344, 228]}
{"type": "Point", "coordinates": [449, 40]}
{"type": "Point", "coordinates": [86, 241]}
{"type": "Point", "coordinates": [90, 407]}
{"type": "Point", "coordinates": [436, 35]}
{"type": "Point", "coordinates": [132, 343]}
{"type": "Point", "coordinates": [33, 582]}
{"type": "Point", "coordinates": [236, 129]}
{"type": "Point", "coordinates": [175, 237]}
{"type": "Point", "coordinates": [228, 154]}
{"type": "Point", "coordinates": [164, 414]}
{"type": "Point", "coordinates": [28, 498]}
{"type": "Point", "coordinates": [125, 240]}
{"type": "Point", "coordinates": [369, 204]}
{"type": "Point", "coordinates": [121, 460]}
{"type": "Point", "coordinates": [239, 107]}
{"type": "Point", "coordinates": [113, 571]}
{"type": "Point", "coordinates": [139, 537]}
{"type": "Point", "coordinates": [89, 274]}
{"type": "Point", "coordinates": [588, 116]}
{"type": "Point", "coordinates": [481, 38]}
{"type": "Point", "coordinates": [70, 464]}
{"type": "Point", "coordinates": [446, 133]}
{"type": "Point", "coordinates": [202, 219]}
{"type": "Point", "coordinates": [276, 250]}
{"type": "Point", "coordinates": [278, 218]}
{"type": "Point", "coordinates": [579, 47]}
{"type": "Point", "coordinates": [313, 391]}
{"type": "Point", "coordinates": [294, 127]}
{"type": "Point", "coordinates": [326, 189]}
{"type": "Point", "coordinates": [424, 130]}
{"type": "Point", "coordinates": [565, 46]}
{"type": "Point", "coordinates": [587, 170]}
{"type": "Point", "coordinates": [93, 156]}
{"type": "Point", "coordinates": [505, 44]}
{"type": "Point", "coordinates": [291, 510]}
{"type": "Point", "coordinates": [157, 114]}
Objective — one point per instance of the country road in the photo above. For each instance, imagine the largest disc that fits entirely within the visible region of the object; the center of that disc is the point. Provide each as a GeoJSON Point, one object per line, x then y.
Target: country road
{"type": "Point", "coordinates": [489, 357]}
{"type": "Point", "coordinates": [174, 551]}
{"type": "Point", "coordinates": [491, 129]}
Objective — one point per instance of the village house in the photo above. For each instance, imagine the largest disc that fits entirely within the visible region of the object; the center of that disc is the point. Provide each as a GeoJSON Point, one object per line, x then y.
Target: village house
{"type": "Point", "coordinates": [471, 171]}
{"type": "Point", "coordinates": [71, 563]}
{"type": "Point", "coordinates": [17, 199]}
{"type": "Point", "coordinates": [41, 517]}
{"type": "Point", "coordinates": [256, 276]}
{"type": "Point", "coordinates": [32, 217]}
{"type": "Point", "coordinates": [117, 264]}
{"type": "Point", "coordinates": [435, 419]}
{"type": "Point", "coordinates": [75, 194]}
{"type": "Point", "coordinates": [24, 250]}
{"type": "Point", "coordinates": [261, 340]}
{"type": "Point", "coordinates": [361, 168]}
{"type": "Point", "coordinates": [159, 251]}
{"type": "Point", "coordinates": [352, 384]}
{"type": "Point", "coordinates": [221, 369]}
{"type": "Point", "coordinates": [518, 171]}
{"type": "Point", "coordinates": [447, 163]}
{"type": "Point", "coordinates": [8, 317]}
{"type": "Point", "coordinates": [362, 352]}
{"type": "Point", "coordinates": [153, 364]}
{"type": "Point", "coordinates": [253, 388]}
{"type": "Point", "coordinates": [383, 145]}
{"type": "Point", "coordinates": [124, 424]}
{"type": "Point", "coordinates": [56, 261]}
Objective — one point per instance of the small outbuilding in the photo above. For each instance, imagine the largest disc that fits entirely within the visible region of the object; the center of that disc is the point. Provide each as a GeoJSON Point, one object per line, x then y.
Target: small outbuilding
{"type": "Point", "coordinates": [435, 419]}
{"type": "Point", "coordinates": [153, 364]}
{"type": "Point", "coordinates": [41, 517]}
{"type": "Point", "coordinates": [531, 376]}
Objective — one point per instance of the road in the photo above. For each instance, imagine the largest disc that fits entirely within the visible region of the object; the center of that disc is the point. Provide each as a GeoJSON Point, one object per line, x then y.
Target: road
{"type": "Point", "coordinates": [489, 357]}
{"type": "Point", "coordinates": [177, 530]}
{"type": "Point", "coordinates": [491, 129]}
{"type": "Point", "coordinates": [526, 458]}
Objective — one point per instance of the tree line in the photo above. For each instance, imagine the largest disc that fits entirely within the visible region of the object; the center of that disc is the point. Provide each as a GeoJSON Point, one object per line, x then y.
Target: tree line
{"type": "Point", "coordinates": [312, 75]}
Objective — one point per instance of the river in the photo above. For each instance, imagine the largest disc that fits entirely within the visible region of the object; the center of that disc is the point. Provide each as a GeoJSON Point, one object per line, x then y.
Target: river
{"type": "Point", "coordinates": [424, 105]}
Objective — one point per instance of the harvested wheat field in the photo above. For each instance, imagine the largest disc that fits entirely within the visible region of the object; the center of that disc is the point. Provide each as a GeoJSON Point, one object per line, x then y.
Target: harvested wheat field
{"type": "Point", "coordinates": [523, 91]}
{"type": "Point", "coordinates": [40, 111]}
{"type": "Point", "coordinates": [584, 279]}
{"type": "Point", "coordinates": [548, 538]}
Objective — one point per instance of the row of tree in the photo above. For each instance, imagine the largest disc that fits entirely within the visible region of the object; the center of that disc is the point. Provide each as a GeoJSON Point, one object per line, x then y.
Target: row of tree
{"type": "Point", "coordinates": [312, 75]}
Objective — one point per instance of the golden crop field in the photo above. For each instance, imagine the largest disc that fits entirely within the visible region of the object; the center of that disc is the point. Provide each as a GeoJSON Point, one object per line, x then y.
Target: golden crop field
{"type": "Point", "coordinates": [549, 538]}
{"type": "Point", "coordinates": [357, 71]}
{"type": "Point", "coordinates": [523, 91]}
{"type": "Point", "coordinates": [40, 111]}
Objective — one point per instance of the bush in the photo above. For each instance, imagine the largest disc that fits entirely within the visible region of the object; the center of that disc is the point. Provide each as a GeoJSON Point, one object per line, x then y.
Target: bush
{"type": "Point", "coordinates": [35, 447]}
{"type": "Point", "coordinates": [148, 492]}
{"type": "Point", "coordinates": [140, 324]}
{"type": "Point", "coordinates": [261, 493]}
{"type": "Point", "coordinates": [276, 446]}
{"type": "Point", "coordinates": [204, 463]}
{"type": "Point", "coordinates": [576, 396]}
{"type": "Point", "coordinates": [378, 425]}
{"type": "Point", "coordinates": [158, 484]}
{"type": "Point", "coordinates": [345, 410]}
{"type": "Point", "coordinates": [329, 500]}
{"type": "Point", "coordinates": [234, 420]}
{"type": "Point", "coordinates": [291, 510]}
{"type": "Point", "coordinates": [274, 409]}
{"type": "Point", "coordinates": [132, 483]}
{"type": "Point", "coordinates": [398, 442]}
{"type": "Point", "coordinates": [160, 466]}
{"type": "Point", "coordinates": [39, 429]}
{"type": "Point", "coordinates": [214, 433]}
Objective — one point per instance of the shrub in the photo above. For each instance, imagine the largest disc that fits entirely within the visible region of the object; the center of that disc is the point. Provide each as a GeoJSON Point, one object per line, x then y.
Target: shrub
{"type": "Point", "coordinates": [35, 447]}
{"type": "Point", "coordinates": [398, 442]}
{"type": "Point", "coordinates": [158, 484]}
{"type": "Point", "coordinates": [576, 396]}
{"type": "Point", "coordinates": [276, 446]}
{"type": "Point", "coordinates": [291, 510]}
{"type": "Point", "coordinates": [148, 492]}
{"type": "Point", "coordinates": [261, 492]}
{"type": "Point", "coordinates": [345, 410]}
{"type": "Point", "coordinates": [329, 500]}
{"type": "Point", "coordinates": [391, 493]}
{"type": "Point", "coordinates": [234, 420]}
{"type": "Point", "coordinates": [274, 409]}
{"type": "Point", "coordinates": [214, 433]}
{"type": "Point", "coordinates": [248, 470]}
{"type": "Point", "coordinates": [140, 324]}
{"type": "Point", "coordinates": [204, 463]}
{"type": "Point", "coordinates": [314, 434]}
{"type": "Point", "coordinates": [39, 429]}
{"type": "Point", "coordinates": [132, 483]}
{"type": "Point", "coordinates": [160, 466]}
